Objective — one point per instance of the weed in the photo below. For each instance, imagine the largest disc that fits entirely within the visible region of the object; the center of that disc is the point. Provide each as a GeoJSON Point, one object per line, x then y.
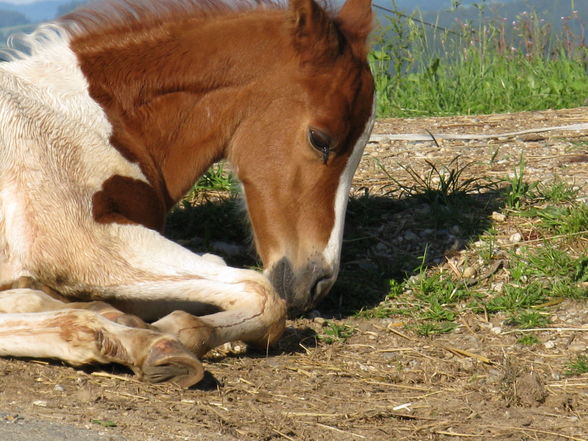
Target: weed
{"type": "Point", "coordinates": [429, 328]}
{"type": "Point", "coordinates": [561, 220]}
{"type": "Point", "coordinates": [496, 68]}
{"type": "Point", "coordinates": [516, 297]}
{"type": "Point", "coordinates": [438, 185]}
{"type": "Point", "coordinates": [528, 340]}
{"type": "Point", "coordinates": [529, 320]}
{"type": "Point", "coordinates": [518, 189]}
{"type": "Point", "coordinates": [216, 178]}
{"type": "Point", "coordinates": [556, 192]}
{"type": "Point", "coordinates": [578, 366]}
{"type": "Point", "coordinates": [334, 332]}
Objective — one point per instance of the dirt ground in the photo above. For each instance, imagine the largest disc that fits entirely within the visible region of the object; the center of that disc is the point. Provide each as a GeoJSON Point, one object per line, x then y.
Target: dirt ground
{"type": "Point", "coordinates": [384, 382]}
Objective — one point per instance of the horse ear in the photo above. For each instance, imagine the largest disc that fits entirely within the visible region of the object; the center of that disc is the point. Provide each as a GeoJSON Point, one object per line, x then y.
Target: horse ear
{"type": "Point", "coordinates": [356, 21]}
{"type": "Point", "coordinates": [315, 36]}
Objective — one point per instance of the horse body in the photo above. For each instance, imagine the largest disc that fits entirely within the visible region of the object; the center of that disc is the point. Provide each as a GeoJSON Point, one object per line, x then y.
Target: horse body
{"type": "Point", "coordinates": [109, 121]}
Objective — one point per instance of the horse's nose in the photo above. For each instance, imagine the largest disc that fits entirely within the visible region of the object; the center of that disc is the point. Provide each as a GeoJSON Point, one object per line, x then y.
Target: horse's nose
{"type": "Point", "coordinates": [303, 287]}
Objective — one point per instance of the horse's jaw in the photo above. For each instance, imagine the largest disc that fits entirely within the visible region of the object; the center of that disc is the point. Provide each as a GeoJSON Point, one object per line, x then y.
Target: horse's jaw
{"type": "Point", "coordinates": [303, 287]}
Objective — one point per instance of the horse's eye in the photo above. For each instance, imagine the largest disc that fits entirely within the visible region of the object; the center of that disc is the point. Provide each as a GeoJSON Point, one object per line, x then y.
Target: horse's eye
{"type": "Point", "coordinates": [321, 142]}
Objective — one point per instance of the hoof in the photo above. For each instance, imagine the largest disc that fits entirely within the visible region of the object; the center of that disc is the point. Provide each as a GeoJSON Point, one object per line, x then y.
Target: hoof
{"type": "Point", "coordinates": [192, 332]}
{"type": "Point", "coordinates": [168, 360]}
{"type": "Point", "coordinates": [129, 320]}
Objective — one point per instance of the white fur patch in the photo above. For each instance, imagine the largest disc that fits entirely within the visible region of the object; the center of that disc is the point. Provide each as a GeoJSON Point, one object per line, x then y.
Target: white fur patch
{"type": "Point", "coordinates": [54, 151]}
{"type": "Point", "coordinates": [332, 252]}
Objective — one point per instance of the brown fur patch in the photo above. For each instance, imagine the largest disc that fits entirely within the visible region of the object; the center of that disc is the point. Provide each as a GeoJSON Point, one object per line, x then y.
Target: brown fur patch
{"type": "Point", "coordinates": [128, 201]}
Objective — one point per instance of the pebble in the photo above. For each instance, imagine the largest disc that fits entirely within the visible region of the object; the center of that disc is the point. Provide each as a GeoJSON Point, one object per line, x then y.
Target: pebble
{"type": "Point", "coordinates": [469, 272]}
{"type": "Point", "coordinates": [40, 403]}
{"type": "Point", "coordinates": [577, 347]}
{"type": "Point", "coordinates": [59, 388]}
{"type": "Point", "coordinates": [497, 287]}
{"type": "Point", "coordinates": [410, 236]}
{"type": "Point", "coordinates": [319, 320]}
{"type": "Point", "coordinates": [497, 330]}
{"type": "Point", "coordinates": [516, 238]}
{"type": "Point", "coordinates": [499, 217]}
{"type": "Point", "coordinates": [549, 344]}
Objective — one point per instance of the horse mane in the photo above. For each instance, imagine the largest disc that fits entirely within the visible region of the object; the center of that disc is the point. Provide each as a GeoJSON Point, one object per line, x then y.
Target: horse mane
{"type": "Point", "coordinates": [114, 15]}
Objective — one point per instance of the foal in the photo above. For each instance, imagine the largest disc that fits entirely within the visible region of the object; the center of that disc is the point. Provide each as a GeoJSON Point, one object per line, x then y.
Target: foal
{"type": "Point", "coordinates": [112, 117]}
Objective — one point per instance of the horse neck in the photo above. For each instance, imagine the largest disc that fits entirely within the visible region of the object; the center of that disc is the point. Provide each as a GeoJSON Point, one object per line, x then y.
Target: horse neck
{"type": "Point", "coordinates": [175, 94]}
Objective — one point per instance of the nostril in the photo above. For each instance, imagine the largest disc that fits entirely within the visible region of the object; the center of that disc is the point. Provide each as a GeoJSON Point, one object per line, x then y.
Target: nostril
{"type": "Point", "coordinates": [321, 286]}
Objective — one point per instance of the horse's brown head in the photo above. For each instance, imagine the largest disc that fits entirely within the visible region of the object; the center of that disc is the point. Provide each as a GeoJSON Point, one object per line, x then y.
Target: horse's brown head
{"type": "Point", "coordinates": [297, 153]}
{"type": "Point", "coordinates": [285, 94]}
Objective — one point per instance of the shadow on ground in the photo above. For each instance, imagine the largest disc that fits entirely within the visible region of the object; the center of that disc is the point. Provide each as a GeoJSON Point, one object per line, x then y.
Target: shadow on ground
{"type": "Point", "coordinates": [386, 238]}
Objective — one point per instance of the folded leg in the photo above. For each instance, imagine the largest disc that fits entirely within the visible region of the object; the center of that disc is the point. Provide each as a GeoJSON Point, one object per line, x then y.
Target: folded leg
{"type": "Point", "coordinates": [198, 299]}
{"type": "Point", "coordinates": [83, 336]}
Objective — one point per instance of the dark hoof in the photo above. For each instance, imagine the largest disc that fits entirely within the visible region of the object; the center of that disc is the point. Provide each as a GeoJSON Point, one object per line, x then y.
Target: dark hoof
{"type": "Point", "coordinates": [168, 360]}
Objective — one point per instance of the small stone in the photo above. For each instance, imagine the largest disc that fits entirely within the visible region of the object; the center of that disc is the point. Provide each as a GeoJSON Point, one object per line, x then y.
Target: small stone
{"type": "Point", "coordinates": [549, 344]}
{"type": "Point", "coordinates": [516, 238]}
{"type": "Point", "coordinates": [410, 236]}
{"type": "Point", "coordinates": [498, 217]}
{"type": "Point", "coordinates": [497, 287]}
{"type": "Point", "coordinates": [58, 388]}
{"type": "Point", "coordinates": [469, 272]}
{"type": "Point", "coordinates": [497, 330]}
{"type": "Point", "coordinates": [40, 403]}
{"type": "Point", "coordinates": [577, 347]}
{"type": "Point", "coordinates": [532, 137]}
{"type": "Point", "coordinates": [319, 320]}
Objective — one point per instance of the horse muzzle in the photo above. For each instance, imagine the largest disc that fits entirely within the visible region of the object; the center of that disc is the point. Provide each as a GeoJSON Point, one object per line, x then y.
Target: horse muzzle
{"type": "Point", "coordinates": [302, 288]}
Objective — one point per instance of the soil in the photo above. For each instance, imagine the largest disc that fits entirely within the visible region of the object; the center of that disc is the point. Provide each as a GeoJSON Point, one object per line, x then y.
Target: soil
{"type": "Point", "coordinates": [384, 382]}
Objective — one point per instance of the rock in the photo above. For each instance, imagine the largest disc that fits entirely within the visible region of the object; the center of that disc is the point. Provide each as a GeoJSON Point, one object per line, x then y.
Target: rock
{"type": "Point", "coordinates": [578, 347]}
{"type": "Point", "coordinates": [410, 236]}
{"type": "Point", "coordinates": [469, 272]}
{"type": "Point", "coordinates": [533, 137]}
{"type": "Point", "coordinates": [516, 238]}
{"type": "Point", "coordinates": [498, 217]}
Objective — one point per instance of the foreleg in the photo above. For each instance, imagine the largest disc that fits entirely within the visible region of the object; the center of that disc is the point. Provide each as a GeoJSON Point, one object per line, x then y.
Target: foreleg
{"type": "Point", "coordinates": [82, 336]}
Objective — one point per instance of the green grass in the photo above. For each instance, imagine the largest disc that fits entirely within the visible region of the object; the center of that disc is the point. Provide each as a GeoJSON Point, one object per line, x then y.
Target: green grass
{"type": "Point", "coordinates": [578, 366]}
{"type": "Point", "coordinates": [216, 178]}
{"type": "Point", "coordinates": [493, 68]}
{"type": "Point", "coordinates": [430, 299]}
{"type": "Point", "coordinates": [528, 340]}
{"type": "Point", "coordinates": [334, 332]}
{"type": "Point", "coordinates": [518, 188]}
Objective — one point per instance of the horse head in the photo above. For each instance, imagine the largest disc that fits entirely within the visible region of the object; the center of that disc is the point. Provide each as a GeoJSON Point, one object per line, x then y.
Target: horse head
{"type": "Point", "coordinates": [315, 119]}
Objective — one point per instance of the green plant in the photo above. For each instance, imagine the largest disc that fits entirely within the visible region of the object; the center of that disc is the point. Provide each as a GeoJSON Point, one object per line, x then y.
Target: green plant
{"type": "Point", "coordinates": [555, 192]}
{"type": "Point", "coordinates": [518, 296]}
{"type": "Point", "coordinates": [578, 366]}
{"type": "Point", "coordinates": [216, 178]}
{"type": "Point", "coordinates": [483, 67]}
{"type": "Point", "coordinates": [529, 320]}
{"type": "Point", "coordinates": [528, 340]}
{"type": "Point", "coordinates": [334, 332]}
{"type": "Point", "coordinates": [518, 189]}
{"type": "Point", "coordinates": [429, 328]}
{"type": "Point", "coordinates": [439, 184]}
